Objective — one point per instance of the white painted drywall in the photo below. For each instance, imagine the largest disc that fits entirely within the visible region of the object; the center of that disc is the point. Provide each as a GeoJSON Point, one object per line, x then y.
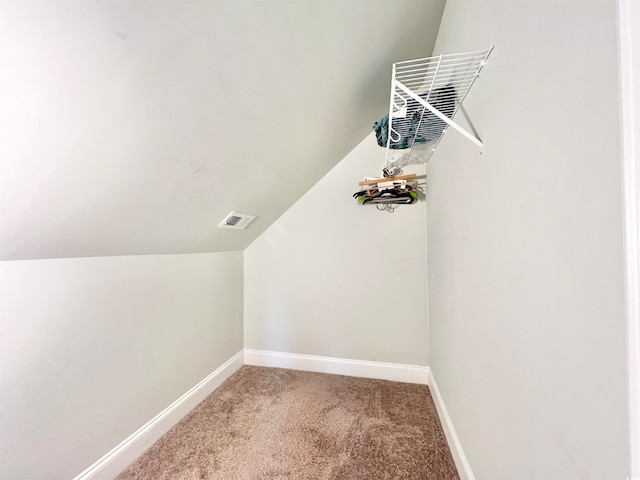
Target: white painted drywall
{"type": "Point", "coordinates": [526, 315]}
{"type": "Point", "coordinates": [334, 278]}
{"type": "Point", "coordinates": [135, 127]}
{"type": "Point", "coordinates": [93, 348]}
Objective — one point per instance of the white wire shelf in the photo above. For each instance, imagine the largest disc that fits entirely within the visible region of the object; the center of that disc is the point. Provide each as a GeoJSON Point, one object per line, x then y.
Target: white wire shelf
{"type": "Point", "coordinates": [426, 93]}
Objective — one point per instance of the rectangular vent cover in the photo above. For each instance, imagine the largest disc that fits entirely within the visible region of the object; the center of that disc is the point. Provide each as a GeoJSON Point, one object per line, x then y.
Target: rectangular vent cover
{"type": "Point", "coordinates": [237, 221]}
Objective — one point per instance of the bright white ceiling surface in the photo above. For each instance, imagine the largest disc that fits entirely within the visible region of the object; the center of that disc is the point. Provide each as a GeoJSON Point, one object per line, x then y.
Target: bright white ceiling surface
{"type": "Point", "coordinates": [136, 127]}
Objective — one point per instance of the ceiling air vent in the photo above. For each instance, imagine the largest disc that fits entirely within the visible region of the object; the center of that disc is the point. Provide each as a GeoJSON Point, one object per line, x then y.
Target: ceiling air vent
{"type": "Point", "coordinates": [237, 221]}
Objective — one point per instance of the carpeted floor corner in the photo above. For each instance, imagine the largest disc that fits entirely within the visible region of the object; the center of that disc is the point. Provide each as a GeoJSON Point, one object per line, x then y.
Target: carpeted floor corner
{"type": "Point", "coordinates": [269, 423]}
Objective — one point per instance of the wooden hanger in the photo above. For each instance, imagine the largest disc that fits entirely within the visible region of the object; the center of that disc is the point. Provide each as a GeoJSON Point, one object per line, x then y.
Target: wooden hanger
{"type": "Point", "coordinates": [373, 185]}
{"type": "Point", "coordinates": [387, 179]}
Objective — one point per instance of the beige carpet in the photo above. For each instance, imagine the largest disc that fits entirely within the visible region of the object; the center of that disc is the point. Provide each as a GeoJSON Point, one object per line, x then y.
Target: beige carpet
{"type": "Point", "coordinates": [268, 423]}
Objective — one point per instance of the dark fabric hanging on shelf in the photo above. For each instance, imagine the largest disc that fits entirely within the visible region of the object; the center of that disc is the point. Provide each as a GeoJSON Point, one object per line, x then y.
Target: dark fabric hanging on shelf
{"type": "Point", "coordinates": [430, 128]}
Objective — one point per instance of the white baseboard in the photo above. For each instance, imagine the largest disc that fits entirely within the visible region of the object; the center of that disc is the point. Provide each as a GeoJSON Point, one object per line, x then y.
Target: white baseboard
{"type": "Point", "coordinates": [114, 462]}
{"type": "Point", "coordinates": [339, 366]}
{"type": "Point", "coordinates": [460, 459]}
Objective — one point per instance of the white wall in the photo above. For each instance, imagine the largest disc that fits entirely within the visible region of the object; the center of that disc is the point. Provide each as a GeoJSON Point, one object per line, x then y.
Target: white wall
{"type": "Point", "coordinates": [131, 127]}
{"type": "Point", "coordinates": [93, 348]}
{"type": "Point", "coordinates": [525, 246]}
{"type": "Point", "coordinates": [334, 278]}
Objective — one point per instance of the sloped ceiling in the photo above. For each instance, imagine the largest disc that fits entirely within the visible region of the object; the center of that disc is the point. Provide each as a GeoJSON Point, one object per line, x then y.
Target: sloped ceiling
{"type": "Point", "coordinates": [135, 127]}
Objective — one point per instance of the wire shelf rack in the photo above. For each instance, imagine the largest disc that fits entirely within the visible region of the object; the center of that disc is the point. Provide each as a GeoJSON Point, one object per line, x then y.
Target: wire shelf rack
{"type": "Point", "coordinates": [426, 93]}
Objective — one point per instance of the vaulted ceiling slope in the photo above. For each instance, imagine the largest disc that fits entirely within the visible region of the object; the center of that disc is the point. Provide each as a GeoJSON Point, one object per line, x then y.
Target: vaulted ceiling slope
{"type": "Point", "coordinates": [135, 127]}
